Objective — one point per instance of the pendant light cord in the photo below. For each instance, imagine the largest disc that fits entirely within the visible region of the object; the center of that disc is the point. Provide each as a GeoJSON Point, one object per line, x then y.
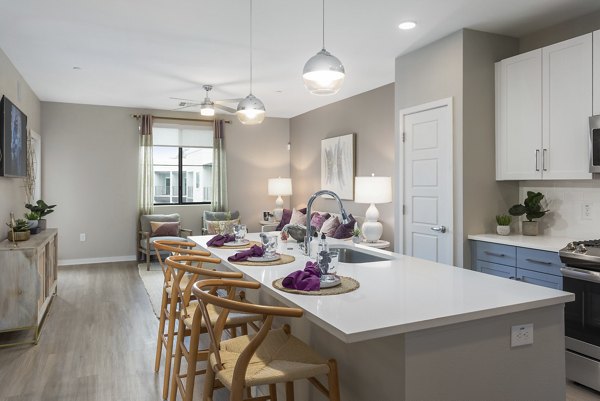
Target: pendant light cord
{"type": "Point", "coordinates": [323, 39]}
{"type": "Point", "coordinates": [250, 46]}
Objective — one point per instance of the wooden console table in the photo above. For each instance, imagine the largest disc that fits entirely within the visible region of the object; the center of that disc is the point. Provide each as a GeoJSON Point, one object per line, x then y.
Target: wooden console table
{"type": "Point", "coordinates": [28, 283]}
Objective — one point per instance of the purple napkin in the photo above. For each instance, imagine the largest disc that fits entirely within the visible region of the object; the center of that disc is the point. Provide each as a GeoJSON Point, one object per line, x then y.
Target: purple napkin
{"type": "Point", "coordinates": [244, 255]}
{"type": "Point", "coordinates": [220, 240]}
{"type": "Point", "coordinates": [304, 280]}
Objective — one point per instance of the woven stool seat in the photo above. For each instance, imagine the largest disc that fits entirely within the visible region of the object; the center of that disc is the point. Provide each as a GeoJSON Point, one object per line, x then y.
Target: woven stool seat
{"type": "Point", "coordinates": [233, 319]}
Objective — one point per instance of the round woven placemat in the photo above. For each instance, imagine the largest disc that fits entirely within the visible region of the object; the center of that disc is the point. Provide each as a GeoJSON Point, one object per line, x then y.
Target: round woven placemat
{"type": "Point", "coordinates": [281, 261]}
{"type": "Point", "coordinates": [348, 285]}
{"type": "Point", "coordinates": [248, 245]}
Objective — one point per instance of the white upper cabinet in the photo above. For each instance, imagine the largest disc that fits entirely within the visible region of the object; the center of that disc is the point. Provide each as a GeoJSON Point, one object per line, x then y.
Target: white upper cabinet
{"type": "Point", "coordinates": [567, 107]}
{"type": "Point", "coordinates": [543, 102]}
{"type": "Point", "coordinates": [518, 117]}
{"type": "Point", "coordinates": [596, 73]}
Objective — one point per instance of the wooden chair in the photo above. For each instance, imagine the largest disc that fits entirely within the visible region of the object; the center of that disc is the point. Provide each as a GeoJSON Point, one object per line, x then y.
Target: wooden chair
{"type": "Point", "coordinates": [269, 357]}
{"type": "Point", "coordinates": [168, 308]}
{"type": "Point", "coordinates": [145, 242]}
{"type": "Point", "coordinates": [181, 266]}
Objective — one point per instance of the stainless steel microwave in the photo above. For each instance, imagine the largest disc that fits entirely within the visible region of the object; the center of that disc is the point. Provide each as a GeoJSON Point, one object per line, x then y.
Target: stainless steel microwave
{"type": "Point", "coordinates": [595, 144]}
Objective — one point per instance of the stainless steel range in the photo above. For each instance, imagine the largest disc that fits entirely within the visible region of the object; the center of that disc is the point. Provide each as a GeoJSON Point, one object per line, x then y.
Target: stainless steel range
{"type": "Point", "coordinates": [581, 276]}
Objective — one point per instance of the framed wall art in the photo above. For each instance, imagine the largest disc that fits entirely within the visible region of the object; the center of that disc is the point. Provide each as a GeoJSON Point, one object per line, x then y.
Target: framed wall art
{"type": "Point", "coordinates": [337, 165]}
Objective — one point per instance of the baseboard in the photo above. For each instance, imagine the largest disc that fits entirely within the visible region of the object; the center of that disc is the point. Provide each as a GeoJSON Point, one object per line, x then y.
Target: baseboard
{"type": "Point", "coordinates": [88, 261]}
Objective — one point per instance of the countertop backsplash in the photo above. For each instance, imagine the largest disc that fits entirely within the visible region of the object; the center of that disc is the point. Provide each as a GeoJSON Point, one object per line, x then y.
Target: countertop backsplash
{"type": "Point", "coordinates": [566, 201]}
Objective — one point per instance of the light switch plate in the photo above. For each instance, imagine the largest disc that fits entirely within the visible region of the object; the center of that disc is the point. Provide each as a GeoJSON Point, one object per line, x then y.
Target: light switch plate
{"type": "Point", "coordinates": [521, 335]}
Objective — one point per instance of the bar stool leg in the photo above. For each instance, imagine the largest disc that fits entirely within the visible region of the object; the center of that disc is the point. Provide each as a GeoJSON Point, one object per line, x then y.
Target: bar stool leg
{"type": "Point", "coordinates": [177, 366]}
{"type": "Point", "coordinates": [161, 330]}
{"type": "Point", "coordinates": [334, 384]}
{"type": "Point", "coordinates": [272, 392]}
{"type": "Point", "coordinates": [289, 391]}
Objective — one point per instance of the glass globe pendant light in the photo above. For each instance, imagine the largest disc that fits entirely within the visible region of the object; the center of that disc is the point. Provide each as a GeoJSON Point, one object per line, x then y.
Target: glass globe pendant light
{"type": "Point", "coordinates": [251, 110]}
{"type": "Point", "coordinates": [323, 73]}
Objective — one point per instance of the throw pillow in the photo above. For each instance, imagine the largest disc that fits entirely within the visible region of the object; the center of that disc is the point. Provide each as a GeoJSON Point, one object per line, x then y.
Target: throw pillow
{"type": "Point", "coordinates": [330, 225]}
{"type": "Point", "coordinates": [285, 219]}
{"type": "Point", "coordinates": [298, 217]}
{"type": "Point", "coordinates": [221, 227]}
{"type": "Point", "coordinates": [318, 219]}
{"type": "Point", "coordinates": [345, 229]}
{"type": "Point", "coordinates": [164, 229]}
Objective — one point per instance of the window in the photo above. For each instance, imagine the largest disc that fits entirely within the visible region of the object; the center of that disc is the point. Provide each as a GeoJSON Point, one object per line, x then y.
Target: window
{"type": "Point", "coordinates": [183, 158]}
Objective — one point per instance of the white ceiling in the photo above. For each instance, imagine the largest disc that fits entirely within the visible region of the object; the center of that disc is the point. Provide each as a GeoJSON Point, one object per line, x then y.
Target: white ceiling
{"type": "Point", "coordinates": [138, 53]}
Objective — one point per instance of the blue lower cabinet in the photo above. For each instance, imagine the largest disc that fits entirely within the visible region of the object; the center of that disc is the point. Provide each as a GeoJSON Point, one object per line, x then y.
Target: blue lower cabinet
{"type": "Point", "coordinates": [496, 269]}
{"type": "Point", "coordinates": [537, 278]}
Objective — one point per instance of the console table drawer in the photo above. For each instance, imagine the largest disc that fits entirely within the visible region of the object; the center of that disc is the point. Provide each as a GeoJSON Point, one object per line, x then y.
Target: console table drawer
{"type": "Point", "coordinates": [496, 253]}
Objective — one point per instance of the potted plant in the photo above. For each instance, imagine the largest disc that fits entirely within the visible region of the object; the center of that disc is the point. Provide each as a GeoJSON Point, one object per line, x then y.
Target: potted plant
{"type": "Point", "coordinates": [32, 220]}
{"type": "Point", "coordinates": [532, 209]}
{"type": "Point", "coordinates": [42, 209]}
{"type": "Point", "coordinates": [19, 230]}
{"type": "Point", "coordinates": [356, 235]}
{"type": "Point", "coordinates": [503, 227]}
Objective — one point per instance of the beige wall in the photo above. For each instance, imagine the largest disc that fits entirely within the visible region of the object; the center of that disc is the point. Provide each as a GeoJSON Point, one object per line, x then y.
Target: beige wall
{"type": "Point", "coordinates": [371, 116]}
{"type": "Point", "coordinates": [12, 194]}
{"type": "Point", "coordinates": [90, 164]}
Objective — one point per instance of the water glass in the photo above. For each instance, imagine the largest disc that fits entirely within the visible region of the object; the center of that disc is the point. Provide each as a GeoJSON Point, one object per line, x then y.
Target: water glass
{"type": "Point", "coordinates": [240, 231]}
{"type": "Point", "coordinates": [269, 243]}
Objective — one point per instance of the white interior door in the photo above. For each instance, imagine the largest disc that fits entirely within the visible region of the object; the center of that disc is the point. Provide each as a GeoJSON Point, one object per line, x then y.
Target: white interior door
{"type": "Point", "coordinates": [428, 222]}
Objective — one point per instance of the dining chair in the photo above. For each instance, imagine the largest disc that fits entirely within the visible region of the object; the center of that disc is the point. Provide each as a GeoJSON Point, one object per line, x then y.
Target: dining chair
{"type": "Point", "coordinates": [269, 357]}
{"type": "Point", "coordinates": [182, 265]}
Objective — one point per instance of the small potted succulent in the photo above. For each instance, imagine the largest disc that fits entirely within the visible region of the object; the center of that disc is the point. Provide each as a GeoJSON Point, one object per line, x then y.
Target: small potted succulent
{"type": "Point", "coordinates": [42, 209]}
{"type": "Point", "coordinates": [503, 227]}
{"type": "Point", "coordinates": [532, 209]}
{"type": "Point", "coordinates": [356, 235]}
{"type": "Point", "coordinates": [19, 230]}
{"type": "Point", "coordinates": [32, 220]}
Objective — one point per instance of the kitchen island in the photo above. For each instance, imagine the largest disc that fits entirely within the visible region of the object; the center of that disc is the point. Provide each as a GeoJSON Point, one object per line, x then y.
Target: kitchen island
{"type": "Point", "coordinates": [419, 330]}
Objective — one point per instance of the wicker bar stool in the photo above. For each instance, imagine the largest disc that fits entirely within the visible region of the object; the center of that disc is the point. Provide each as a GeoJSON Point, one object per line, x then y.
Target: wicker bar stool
{"type": "Point", "coordinates": [269, 357]}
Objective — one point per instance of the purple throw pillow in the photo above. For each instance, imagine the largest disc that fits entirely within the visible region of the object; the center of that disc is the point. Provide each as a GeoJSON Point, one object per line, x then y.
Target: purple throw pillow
{"type": "Point", "coordinates": [285, 219]}
{"type": "Point", "coordinates": [318, 219]}
{"type": "Point", "coordinates": [164, 229]}
{"type": "Point", "coordinates": [345, 229]}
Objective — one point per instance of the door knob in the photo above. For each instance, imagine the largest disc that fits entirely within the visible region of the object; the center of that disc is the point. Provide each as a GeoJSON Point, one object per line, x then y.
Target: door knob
{"type": "Point", "coordinates": [441, 229]}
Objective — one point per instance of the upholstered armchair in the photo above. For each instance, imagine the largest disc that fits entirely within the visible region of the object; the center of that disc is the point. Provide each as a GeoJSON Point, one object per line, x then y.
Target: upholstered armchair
{"type": "Point", "coordinates": [219, 222]}
{"type": "Point", "coordinates": [153, 228]}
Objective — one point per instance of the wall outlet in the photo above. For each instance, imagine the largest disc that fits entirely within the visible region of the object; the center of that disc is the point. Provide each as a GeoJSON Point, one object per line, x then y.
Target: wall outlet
{"type": "Point", "coordinates": [521, 335]}
{"type": "Point", "coordinates": [586, 211]}
{"type": "Point", "coordinates": [82, 237]}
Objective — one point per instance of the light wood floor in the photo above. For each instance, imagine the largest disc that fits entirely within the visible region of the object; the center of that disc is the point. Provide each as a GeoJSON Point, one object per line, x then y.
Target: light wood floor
{"type": "Point", "coordinates": [98, 344]}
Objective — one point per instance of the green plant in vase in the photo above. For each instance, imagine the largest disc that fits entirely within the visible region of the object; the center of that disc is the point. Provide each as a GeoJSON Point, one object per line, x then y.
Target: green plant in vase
{"type": "Point", "coordinates": [532, 209]}
{"type": "Point", "coordinates": [19, 230]}
{"type": "Point", "coordinates": [32, 219]}
{"type": "Point", "coordinates": [42, 209]}
{"type": "Point", "coordinates": [503, 224]}
{"type": "Point", "coordinates": [356, 235]}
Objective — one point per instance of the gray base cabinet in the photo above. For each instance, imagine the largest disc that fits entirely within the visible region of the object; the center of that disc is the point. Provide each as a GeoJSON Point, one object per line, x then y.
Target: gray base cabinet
{"type": "Point", "coordinates": [515, 263]}
{"type": "Point", "coordinates": [28, 283]}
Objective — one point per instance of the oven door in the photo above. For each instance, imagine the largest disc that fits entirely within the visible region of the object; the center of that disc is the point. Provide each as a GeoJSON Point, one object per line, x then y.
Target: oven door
{"type": "Point", "coordinates": [595, 144]}
{"type": "Point", "coordinates": [582, 317]}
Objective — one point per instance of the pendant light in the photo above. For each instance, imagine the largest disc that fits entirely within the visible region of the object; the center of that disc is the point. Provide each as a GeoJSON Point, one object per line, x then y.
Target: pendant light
{"type": "Point", "coordinates": [323, 73]}
{"type": "Point", "coordinates": [251, 110]}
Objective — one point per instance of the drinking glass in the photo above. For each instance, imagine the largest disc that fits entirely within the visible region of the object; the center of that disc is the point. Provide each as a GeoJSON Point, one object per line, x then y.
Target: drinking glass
{"type": "Point", "coordinates": [269, 245]}
{"type": "Point", "coordinates": [239, 231]}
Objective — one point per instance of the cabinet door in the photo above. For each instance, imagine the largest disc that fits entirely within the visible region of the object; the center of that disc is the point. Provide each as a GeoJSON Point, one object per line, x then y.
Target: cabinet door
{"type": "Point", "coordinates": [567, 106]}
{"type": "Point", "coordinates": [495, 269]}
{"type": "Point", "coordinates": [537, 278]}
{"type": "Point", "coordinates": [519, 117]}
{"type": "Point", "coordinates": [596, 78]}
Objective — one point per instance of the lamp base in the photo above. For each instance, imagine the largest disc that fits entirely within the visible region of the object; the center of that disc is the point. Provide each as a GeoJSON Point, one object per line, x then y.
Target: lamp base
{"type": "Point", "coordinates": [278, 214]}
{"type": "Point", "coordinates": [371, 228]}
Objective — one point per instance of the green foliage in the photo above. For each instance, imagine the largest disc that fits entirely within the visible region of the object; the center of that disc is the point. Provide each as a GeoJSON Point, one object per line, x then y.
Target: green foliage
{"type": "Point", "coordinates": [41, 208]}
{"type": "Point", "coordinates": [531, 208]}
{"type": "Point", "coordinates": [356, 232]}
{"type": "Point", "coordinates": [503, 220]}
{"type": "Point", "coordinates": [32, 216]}
{"type": "Point", "coordinates": [19, 226]}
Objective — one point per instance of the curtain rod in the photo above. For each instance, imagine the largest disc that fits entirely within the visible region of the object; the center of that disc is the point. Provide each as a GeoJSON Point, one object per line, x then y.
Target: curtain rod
{"type": "Point", "coordinates": [180, 119]}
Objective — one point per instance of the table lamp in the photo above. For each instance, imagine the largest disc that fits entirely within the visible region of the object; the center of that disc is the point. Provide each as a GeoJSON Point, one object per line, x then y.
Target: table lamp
{"type": "Point", "coordinates": [372, 190]}
{"type": "Point", "coordinates": [279, 187]}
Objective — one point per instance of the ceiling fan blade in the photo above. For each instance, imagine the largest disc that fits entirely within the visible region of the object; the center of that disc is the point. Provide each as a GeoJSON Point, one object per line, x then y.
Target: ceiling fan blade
{"type": "Point", "coordinates": [186, 100]}
{"type": "Point", "coordinates": [225, 108]}
{"type": "Point", "coordinates": [185, 107]}
{"type": "Point", "coordinates": [227, 101]}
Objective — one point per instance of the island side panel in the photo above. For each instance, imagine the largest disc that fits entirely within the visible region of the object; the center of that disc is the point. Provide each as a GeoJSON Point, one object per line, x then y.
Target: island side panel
{"type": "Point", "coordinates": [474, 360]}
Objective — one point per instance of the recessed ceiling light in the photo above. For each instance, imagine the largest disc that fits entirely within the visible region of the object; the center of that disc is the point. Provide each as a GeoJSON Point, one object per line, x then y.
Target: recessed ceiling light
{"type": "Point", "coordinates": [406, 25]}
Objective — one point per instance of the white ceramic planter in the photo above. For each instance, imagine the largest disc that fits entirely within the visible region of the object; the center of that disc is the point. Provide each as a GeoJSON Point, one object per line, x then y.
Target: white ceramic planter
{"type": "Point", "coordinates": [503, 230]}
{"type": "Point", "coordinates": [530, 228]}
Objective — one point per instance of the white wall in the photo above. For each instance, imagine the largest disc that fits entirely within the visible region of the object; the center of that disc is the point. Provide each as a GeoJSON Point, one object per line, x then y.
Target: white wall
{"type": "Point", "coordinates": [90, 170]}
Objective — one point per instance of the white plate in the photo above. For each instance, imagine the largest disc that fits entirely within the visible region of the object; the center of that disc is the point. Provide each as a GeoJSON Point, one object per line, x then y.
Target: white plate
{"type": "Point", "coordinates": [331, 283]}
{"type": "Point", "coordinates": [264, 258]}
{"type": "Point", "coordinates": [236, 243]}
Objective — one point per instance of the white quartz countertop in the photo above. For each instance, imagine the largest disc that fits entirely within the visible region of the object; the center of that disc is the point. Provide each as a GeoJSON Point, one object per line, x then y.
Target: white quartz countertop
{"type": "Point", "coordinates": [399, 295]}
{"type": "Point", "coordinates": [541, 242]}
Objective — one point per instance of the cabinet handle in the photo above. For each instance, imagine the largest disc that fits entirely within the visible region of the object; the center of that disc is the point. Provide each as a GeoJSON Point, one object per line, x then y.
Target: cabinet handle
{"type": "Point", "coordinates": [537, 155]}
{"type": "Point", "coordinates": [540, 262]}
{"type": "Point", "coordinates": [544, 159]}
{"type": "Point", "coordinates": [511, 278]}
{"type": "Point", "coordinates": [500, 255]}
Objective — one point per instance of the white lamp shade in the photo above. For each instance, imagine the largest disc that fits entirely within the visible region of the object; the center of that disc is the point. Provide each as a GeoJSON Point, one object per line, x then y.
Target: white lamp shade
{"type": "Point", "coordinates": [251, 110]}
{"type": "Point", "coordinates": [280, 186]}
{"type": "Point", "coordinates": [323, 74]}
{"type": "Point", "coordinates": [373, 190]}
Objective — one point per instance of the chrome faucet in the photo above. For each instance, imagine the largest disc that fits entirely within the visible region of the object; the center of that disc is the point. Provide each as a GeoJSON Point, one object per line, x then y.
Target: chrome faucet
{"type": "Point", "coordinates": [314, 196]}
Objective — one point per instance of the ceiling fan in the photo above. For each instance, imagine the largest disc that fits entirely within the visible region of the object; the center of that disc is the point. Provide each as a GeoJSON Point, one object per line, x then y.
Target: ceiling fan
{"type": "Point", "coordinates": [207, 106]}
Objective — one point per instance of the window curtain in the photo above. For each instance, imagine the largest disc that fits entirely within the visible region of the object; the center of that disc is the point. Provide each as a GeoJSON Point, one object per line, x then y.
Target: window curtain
{"type": "Point", "coordinates": [219, 171]}
{"type": "Point", "coordinates": [146, 175]}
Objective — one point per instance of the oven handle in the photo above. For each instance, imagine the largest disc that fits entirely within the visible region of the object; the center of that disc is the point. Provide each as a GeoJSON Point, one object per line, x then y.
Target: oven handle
{"type": "Point", "coordinates": [580, 274]}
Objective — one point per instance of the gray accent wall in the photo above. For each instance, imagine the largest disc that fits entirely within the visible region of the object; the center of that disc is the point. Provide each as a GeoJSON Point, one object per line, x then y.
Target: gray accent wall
{"type": "Point", "coordinates": [12, 193]}
{"type": "Point", "coordinates": [90, 171]}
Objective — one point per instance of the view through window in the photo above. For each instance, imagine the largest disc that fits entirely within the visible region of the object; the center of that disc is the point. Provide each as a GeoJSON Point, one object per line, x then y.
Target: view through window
{"type": "Point", "coordinates": [183, 159]}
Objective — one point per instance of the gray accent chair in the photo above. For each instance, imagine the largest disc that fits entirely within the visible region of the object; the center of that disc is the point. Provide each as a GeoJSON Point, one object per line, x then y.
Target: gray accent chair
{"type": "Point", "coordinates": [145, 241]}
{"type": "Point", "coordinates": [217, 216]}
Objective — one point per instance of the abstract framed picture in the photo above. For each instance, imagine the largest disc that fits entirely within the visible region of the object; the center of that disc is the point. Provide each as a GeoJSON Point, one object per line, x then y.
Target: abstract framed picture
{"type": "Point", "coordinates": [337, 165]}
{"type": "Point", "coordinates": [13, 140]}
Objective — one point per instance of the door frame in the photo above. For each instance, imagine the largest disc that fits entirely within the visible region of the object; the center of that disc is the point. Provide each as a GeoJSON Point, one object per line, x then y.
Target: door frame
{"type": "Point", "coordinates": [399, 214]}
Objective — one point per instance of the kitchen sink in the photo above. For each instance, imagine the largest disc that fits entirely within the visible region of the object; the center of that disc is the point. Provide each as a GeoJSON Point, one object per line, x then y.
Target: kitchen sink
{"type": "Point", "coordinates": [348, 255]}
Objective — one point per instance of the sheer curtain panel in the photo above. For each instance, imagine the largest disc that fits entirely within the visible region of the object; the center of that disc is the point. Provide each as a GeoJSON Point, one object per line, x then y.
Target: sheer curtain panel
{"type": "Point", "coordinates": [146, 174]}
